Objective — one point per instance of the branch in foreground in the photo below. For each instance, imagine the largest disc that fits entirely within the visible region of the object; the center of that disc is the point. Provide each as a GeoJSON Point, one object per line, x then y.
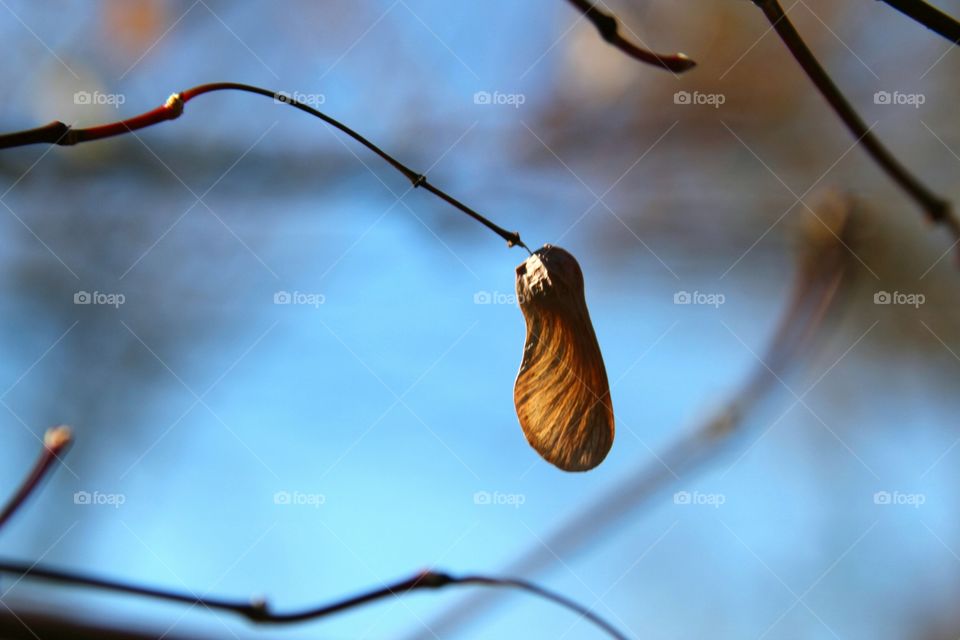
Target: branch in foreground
{"type": "Point", "coordinates": [823, 263]}
{"type": "Point", "coordinates": [62, 134]}
{"type": "Point", "coordinates": [930, 17]}
{"type": "Point", "coordinates": [938, 209]}
{"type": "Point", "coordinates": [55, 442]}
{"type": "Point", "coordinates": [258, 611]}
{"type": "Point", "coordinates": [609, 29]}
{"type": "Point", "coordinates": [20, 622]}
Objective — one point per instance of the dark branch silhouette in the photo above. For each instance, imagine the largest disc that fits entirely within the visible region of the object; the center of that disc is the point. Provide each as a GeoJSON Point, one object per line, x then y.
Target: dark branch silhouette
{"type": "Point", "coordinates": [609, 29]}
{"type": "Point", "coordinates": [930, 17]}
{"type": "Point", "coordinates": [258, 611]}
{"type": "Point", "coordinates": [62, 134]}
{"type": "Point", "coordinates": [938, 209]}
{"type": "Point", "coordinates": [57, 439]}
{"type": "Point", "coordinates": [55, 442]}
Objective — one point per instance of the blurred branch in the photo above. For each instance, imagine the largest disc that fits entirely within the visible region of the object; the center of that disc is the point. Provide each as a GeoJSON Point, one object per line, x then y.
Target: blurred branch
{"type": "Point", "coordinates": [938, 209]}
{"type": "Point", "coordinates": [823, 263]}
{"type": "Point", "coordinates": [53, 624]}
{"type": "Point", "coordinates": [258, 611]}
{"type": "Point", "coordinates": [609, 28]}
{"type": "Point", "coordinates": [55, 442]}
{"type": "Point", "coordinates": [930, 17]}
{"type": "Point", "coordinates": [62, 134]}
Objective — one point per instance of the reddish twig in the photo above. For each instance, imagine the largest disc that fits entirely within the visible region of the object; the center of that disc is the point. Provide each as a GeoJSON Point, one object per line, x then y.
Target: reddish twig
{"type": "Point", "coordinates": [930, 17]}
{"type": "Point", "coordinates": [62, 134]}
{"type": "Point", "coordinates": [938, 209]}
{"type": "Point", "coordinates": [258, 611]}
{"type": "Point", "coordinates": [609, 29]}
{"type": "Point", "coordinates": [55, 442]}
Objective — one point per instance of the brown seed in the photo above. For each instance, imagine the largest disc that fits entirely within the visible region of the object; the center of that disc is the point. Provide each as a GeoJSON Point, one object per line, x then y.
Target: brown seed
{"type": "Point", "coordinates": [561, 394]}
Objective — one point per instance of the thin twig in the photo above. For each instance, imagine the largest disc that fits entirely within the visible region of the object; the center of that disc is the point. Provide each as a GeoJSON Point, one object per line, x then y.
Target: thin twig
{"type": "Point", "coordinates": [938, 209]}
{"type": "Point", "coordinates": [62, 134]}
{"type": "Point", "coordinates": [258, 611]}
{"type": "Point", "coordinates": [824, 262]}
{"type": "Point", "coordinates": [609, 28]}
{"type": "Point", "coordinates": [930, 17]}
{"type": "Point", "coordinates": [55, 442]}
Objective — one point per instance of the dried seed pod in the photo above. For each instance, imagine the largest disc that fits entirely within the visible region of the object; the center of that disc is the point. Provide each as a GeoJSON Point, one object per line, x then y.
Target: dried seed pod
{"type": "Point", "coordinates": [561, 394]}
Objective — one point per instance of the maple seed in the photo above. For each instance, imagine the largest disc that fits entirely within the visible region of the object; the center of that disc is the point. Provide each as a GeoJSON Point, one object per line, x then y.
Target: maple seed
{"type": "Point", "coordinates": [562, 395]}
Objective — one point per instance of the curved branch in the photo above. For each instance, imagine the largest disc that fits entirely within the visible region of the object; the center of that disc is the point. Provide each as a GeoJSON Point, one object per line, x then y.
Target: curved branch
{"type": "Point", "coordinates": [55, 442]}
{"type": "Point", "coordinates": [259, 612]}
{"type": "Point", "coordinates": [62, 134]}
{"type": "Point", "coordinates": [609, 28]}
{"type": "Point", "coordinates": [930, 17]}
{"type": "Point", "coordinates": [938, 209]}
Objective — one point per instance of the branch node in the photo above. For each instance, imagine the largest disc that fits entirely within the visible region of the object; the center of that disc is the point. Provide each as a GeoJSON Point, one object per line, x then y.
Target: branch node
{"type": "Point", "coordinates": [175, 104]}
{"type": "Point", "coordinates": [431, 579]}
{"type": "Point", "coordinates": [940, 211]}
{"type": "Point", "coordinates": [259, 609]}
{"type": "Point", "coordinates": [62, 134]}
{"type": "Point", "coordinates": [606, 25]}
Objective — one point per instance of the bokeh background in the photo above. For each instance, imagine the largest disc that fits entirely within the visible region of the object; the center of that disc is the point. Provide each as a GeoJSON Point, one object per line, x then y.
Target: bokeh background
{"type": "Point", "coordinates": [382, 412]}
